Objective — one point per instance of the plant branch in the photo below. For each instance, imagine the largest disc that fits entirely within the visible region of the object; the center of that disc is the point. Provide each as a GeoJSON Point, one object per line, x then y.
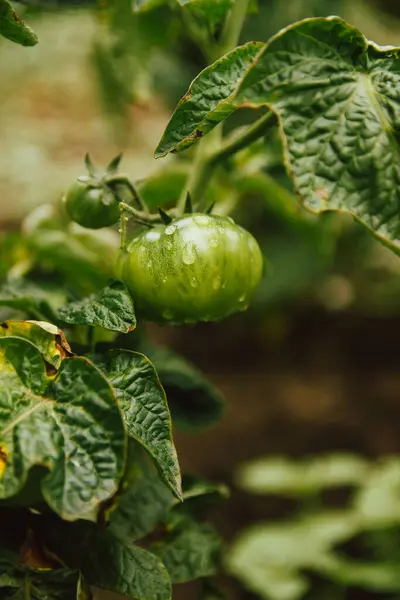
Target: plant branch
{"type": "Point", "coordinates": [204, 168]}
{"type": "Point", "coordinates": [253, 133]}
{"type": "Point", "coordinates": [141, 215]}
{"type": "Point", "coordinates": [233, 26]}
{"type": "Point", "coordinates": [115, 180]}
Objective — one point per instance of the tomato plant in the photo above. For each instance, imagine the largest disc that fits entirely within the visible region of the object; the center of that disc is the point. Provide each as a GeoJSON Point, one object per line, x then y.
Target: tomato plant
{"type": "Point", "coordinates": [91, 490]}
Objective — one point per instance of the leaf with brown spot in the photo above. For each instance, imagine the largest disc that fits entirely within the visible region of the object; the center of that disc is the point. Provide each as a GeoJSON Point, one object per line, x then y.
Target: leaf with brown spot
{"type": "Point", "coordinates": [47, 338]}
{"type": "Point", "coordinates": [14, 28]}
{"type": "Point", "coordinates": [45, 422]}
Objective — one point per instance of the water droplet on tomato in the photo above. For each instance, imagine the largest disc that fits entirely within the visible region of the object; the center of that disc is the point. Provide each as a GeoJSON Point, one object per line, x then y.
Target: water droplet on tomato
{"type": "Point", "coordinates": [201, 219]}
{"type": "Point", "coordinates": [193, 282]}
{"type": "Point", "coordinates": [170, 229]}
{"type": "Point", "coordinates": [189, 253]}
{"type": "Point", "coordinates": [153, 236]}
{"type": "Point", "coordinates": [164, 279]}
{"type": "Point", "coordinates": [216, 282]}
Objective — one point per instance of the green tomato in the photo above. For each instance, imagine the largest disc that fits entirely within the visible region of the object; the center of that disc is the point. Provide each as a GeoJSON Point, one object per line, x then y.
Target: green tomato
{"type": "Point", "coordinates": [197, 268]}
{"type": "Point", "coordinates": [92, 206]}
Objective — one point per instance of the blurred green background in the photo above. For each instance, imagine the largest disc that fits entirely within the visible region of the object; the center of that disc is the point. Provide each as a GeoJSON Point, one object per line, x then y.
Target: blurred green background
{"type": "Point", "coordinates": [312, 367]}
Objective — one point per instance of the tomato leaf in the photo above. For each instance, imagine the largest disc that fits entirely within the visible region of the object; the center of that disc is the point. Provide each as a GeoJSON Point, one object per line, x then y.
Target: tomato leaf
{"type": "Point", "coordinates": [336, 96]}
{"type": "Point", "coordinates": [191, 550]}
{"type": "Point", "coordinates": [111, 308]}
{"type": "Point", "coordinates": [208, 100]}
{"type": "Point", "coordinates": [28, 297]}
{"type": "Point", "coordinates": [147, 502]}
{"type": "Point", "coordinates": [142, 505]}
{"type": "Point", "coordinates": [14, 28]}
{"type": "Point", "coordinates": [145, 409]}
{"type": "Point", "coordinates": [47, 338]}
{"type": "Point", "coordinates": [109, 563]}
{"type": "Point", "coordinates": [193, 401]}
{"type": "Point", "coordinates": [68, 423]}
{"type": "Point", "coordinates": [57, 584]}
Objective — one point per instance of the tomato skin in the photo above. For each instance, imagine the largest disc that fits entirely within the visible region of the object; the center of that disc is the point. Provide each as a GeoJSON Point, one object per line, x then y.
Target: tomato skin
{"type": "Point", "coordinates": [198, 268]}
{"type": "Point", "coordinates": [92, 207]}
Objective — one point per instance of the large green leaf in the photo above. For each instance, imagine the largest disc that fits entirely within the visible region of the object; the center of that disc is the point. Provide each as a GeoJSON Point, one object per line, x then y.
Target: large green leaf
{"type": "Point", "coordinates": [111, 308]}
{"type": "Point", "coordinates": [337, 99]}
{"type": "Point", "coordinates": [69, 424]}
{"type": "Point", "coordinates": [191, 550]}
{"type": "Point", "coordinates": [107, 562]}
{"type": "Point", "coordinates": [20, 582]}
{"type": "Point", "coordinates": [14, 28]}
{"type": "Point", "coordinates": [145, 409]}
{"type": "Point", "coordinates": [208, 100]}
{"type": "Point", "coordinates": [194, 402]}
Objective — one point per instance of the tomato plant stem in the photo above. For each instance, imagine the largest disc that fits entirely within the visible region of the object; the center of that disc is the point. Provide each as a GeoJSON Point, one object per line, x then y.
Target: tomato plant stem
{"type": "Point", "coordinates": [233, 26]}
{"type": "Point", "coordinates": [204, 166]}
{"type": "Point", "coordinates": [141, 215]}
{"type": "Point", "coordinates": [116, 180]}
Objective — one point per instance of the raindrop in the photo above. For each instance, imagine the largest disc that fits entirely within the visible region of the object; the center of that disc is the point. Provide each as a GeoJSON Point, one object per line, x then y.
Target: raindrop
{"type": "Point", "coordinates": [201, 220]}
{"type": "Point", "coordinates": [216, 282]}
{"type": "Point", "coordinates": [193, 282]}
{"type": "Point", "coordinates": [170, 229]}
{"type": "Point", "coordinates": [153, 236]}
{"type": "Point", "coordinates": [189, 253]}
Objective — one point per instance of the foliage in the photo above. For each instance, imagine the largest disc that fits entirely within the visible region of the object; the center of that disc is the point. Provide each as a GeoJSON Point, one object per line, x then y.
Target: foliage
{"type": "Point", "coordinates": [89, 473]}
{"type": "Point", "coordinates": [277, 560]}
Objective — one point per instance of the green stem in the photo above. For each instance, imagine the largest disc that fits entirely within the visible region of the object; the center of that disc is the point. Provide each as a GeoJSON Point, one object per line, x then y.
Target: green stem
{"type": "Point", "coordinates": [233, 26]}
{"type": "Point", "coordinates": [141, 215]}
{"type": "Point", "coordinates": [255, 131]}
{"type": "Point", "coordinates": [204, 166]}
{"type": "Point", "coordinates": [122, 229]}
{"type": "Point", "coordinates": [116, 180]}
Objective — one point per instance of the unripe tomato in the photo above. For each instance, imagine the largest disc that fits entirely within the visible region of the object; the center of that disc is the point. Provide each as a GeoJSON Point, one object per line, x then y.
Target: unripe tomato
{"type": "Point", "coordinates": [91, 206]}
{"type": "Point", "coordinates": [198, 268]}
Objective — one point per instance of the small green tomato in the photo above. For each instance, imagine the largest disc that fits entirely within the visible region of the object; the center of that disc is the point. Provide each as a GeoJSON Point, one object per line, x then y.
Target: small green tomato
{"type": "Point", "coordinates": [92, 206]}
{"type": "Point", "coordinates": [197, 268]}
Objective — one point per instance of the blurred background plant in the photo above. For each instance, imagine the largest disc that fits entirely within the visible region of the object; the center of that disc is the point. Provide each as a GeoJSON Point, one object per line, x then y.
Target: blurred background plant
{"type": "Point", "coordinates": [312, 366]}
